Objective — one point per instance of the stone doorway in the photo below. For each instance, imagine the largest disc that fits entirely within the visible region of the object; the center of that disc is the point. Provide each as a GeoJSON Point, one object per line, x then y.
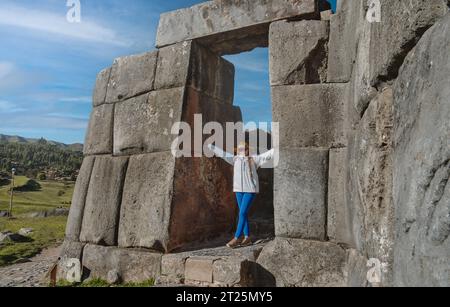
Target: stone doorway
{"type": "Point", "coordinates": [252, 96]}
{"type": "Point", "coordinates": [134, 198]}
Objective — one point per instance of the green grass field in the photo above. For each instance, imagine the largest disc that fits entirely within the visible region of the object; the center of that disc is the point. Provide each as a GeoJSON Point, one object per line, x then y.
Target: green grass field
{"type": "Point", "coordinates": [52, 194]}
{"type": "Point", "coordinates": [47, 231]}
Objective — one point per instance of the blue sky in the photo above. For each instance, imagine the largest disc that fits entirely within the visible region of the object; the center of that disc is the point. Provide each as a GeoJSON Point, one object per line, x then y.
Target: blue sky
{"type": "Point", "coordinates": [48, 66]}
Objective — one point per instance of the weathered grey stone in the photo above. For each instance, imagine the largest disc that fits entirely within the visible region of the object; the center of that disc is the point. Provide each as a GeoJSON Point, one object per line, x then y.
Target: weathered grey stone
{"type": "Point", "coordinates": [300, 263]}
{"type": "Point", "coordinates": [401, 26]}
{"type": "Point", "coordinates": [189, 63]}
{"type": "Point", "coordinates": [113, 277]}
{"type": "Point", "coordinates": [385, 43]}
{"type": "Point", "coordinates": [356, 269]}
{"type": "Point", "coordinates": [199, 269]}
{"type": "Point", "coordinates": [146, 201]}
{"type": "Point", "coordinates": [326, 15]}
{"type": "Point", "coordinates": [421, 162]}
{"type": "Point", "coordinates": [173, 65]}
{"type": "Point", "coordinates": [26, 232]}
{"type": "Point", "coordinates": [69, 250]}
{"type": "Point", "coordinates": [310, 115]}
{"type": "Point", "coordinates": [300, 193]}
{"type": "Point", "coordinates": [361, 89]}
{"type": "Point", "coordinates": [172, 265]}
{"type": "Point", "coordinates": [231, 272]}
{"type": "Point", "coordinates": [370, 183]}
{"type": "Point", "coordinates": [202, 194]}
{"type": "Point", "coordinates": [130, 264]}
{"type": "Point", "coordinates": [101, 213]}
{"type": "Point", "coordinates": [298, 52]}
{"type": "Point", "coordinates": [231, 267]}
{"type": "Point", "coordinates": [132, 76]}
{"type": "Point", "coordinates": [212, 74]}
{"type": "Point", "coordinates": [339, 224]}
{"type": "Point", "coordinates": [225, 21]}
{"type": "Point", "coordinates": [101, 85]}
{"type": "Point", "coordinates": [211, 109]}
{"type": "Point", "coordinates": [143, 124]}
{"type": "Point", "coordinates": [161, 200]}
{"type": "Point", "coordinates": [345, 27]}
{"type": "Point", "coordinates": [73, 227]}
{"type": "Point", "coordinates": [99, 133]}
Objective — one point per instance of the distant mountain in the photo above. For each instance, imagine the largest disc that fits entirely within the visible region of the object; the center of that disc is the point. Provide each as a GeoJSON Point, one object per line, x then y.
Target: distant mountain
{"type": "Point", "coordinates": [22, 140]}
{"type": "Point", "coordinates": [39, 158]}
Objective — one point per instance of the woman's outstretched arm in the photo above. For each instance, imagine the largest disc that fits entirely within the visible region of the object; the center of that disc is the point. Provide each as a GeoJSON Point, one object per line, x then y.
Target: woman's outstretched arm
{"type": "Point", "coordinates": [264, 158]}
{"type": "Point", "coordinates": [229, 158]}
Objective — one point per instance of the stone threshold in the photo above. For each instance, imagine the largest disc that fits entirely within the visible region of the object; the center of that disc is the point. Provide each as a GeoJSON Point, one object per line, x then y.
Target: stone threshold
{"type": "Point", "coordinates": [212, 267]}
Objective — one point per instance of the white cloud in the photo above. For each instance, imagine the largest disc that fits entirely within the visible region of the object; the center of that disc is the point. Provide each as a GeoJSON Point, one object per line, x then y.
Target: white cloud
{"type": "Point", "coordinates": [12, 78]}
{"type": "Point", "coordinates": [44, 121]}
{"type": "Point", "coordinates": [43, 21]}
{"type": "Point", "coordinates": [7, 107]}
{"type": "Point", "coordinates": [81, 99]}
{"type": "Point", "coordinates": [6, 68]}
{"type": "Point", "coordinates": [252, 62]}
{"type": "Point", "coordinates": [253, 86]}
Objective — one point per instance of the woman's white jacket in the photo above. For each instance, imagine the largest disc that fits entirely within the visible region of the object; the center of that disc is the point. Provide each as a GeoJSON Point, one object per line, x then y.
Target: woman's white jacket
{"type": "Point", "coordinates": [245, 169]}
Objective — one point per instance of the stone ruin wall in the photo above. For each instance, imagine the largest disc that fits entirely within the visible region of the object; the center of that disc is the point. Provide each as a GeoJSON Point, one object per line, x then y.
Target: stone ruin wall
{"type": "Point", "coordinates": [364, 113]}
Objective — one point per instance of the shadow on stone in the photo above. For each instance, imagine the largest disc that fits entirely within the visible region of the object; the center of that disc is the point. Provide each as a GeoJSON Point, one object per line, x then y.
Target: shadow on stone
{"type": "Point", "coordinates": [260, 277]}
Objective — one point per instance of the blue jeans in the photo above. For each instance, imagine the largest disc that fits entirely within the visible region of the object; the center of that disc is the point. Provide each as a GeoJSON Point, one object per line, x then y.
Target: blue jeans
{"type": "Point", "coordinates": [244, 201]}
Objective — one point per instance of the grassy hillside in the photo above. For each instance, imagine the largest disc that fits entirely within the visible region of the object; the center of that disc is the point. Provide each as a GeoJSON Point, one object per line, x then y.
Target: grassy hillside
{"type": "Point", "coordinates": [35, 158]}
{"type": "Point", "coordinates": [52, 194]}
{"type": "Point", "coordinates": [19, 139]}
{"type": "Point", "coordinates": [47, 231]}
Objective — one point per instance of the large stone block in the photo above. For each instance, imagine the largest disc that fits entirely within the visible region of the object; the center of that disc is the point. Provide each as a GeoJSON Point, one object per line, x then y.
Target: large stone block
{"type": "Point", "coordinates": [146, 211]}
{"type": "Point", "coordinates": [173, 65]}
{"type": "Point", "coordinates": [402, 24]}
{"type": "Point", "coordinates": [211, 109]}
{"type": "Point", "coordinates": [171, 203]}
{"type": "Point", "coordinates": [300, 193]}
{"type": "Point", "coordinates": [300, 263]}
{"type": "Point", "coordinates": [356, 269]}
{"type": "Point", "coordinates": [219, 266]}
{"type": "Point", "coordinates": [339, 223]}
{"type": "Point", "coordinates": [131, 265]}
{"type": "Point", "coordinates": [201, 201]}
{"type": "Point", "coordinates": [173, 266]}
{"type": "Point", "coordinates": [132, 76]}
{"type": "Point", "coordinates": [190, 63]}
{"type": "Point", "coordinates": [101, 213]}
{"type": "Point", "coordinates": [99, 133]}
{"type": "Point", "coordinates": [227, 22]}
{"type": "Point", "coordinates": [143, 124]}
{"type": "Point", "coordinates": [421, 162]}
{"type": "Point", "coordinates": [386, 43]}
{"type": "Point", "coordinates": [69, 250]}
{"type": "Point", "coordinates": [345, 29]}
{"type": "Point", "coordinates": [298, 52]}
{"type": "Point", "coordinates": [212, 74]}
{"type": "Point", "coordinates": [101, 85]}
{"type": "Point", "coordinates": [199, 269]}
{"type": "Point", "coordinates": [369, 186]}
{"type": "Point", "coordinates": [75, 219]}
{"type": "Point", "coordinates": [310, 115]}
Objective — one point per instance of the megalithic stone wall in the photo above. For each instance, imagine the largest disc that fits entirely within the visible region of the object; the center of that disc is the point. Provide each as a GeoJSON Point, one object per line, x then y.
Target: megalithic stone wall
{"type": "Point", "coordinates": [132, 192]}
{"type": "Point", "coordinates": [311, 116]}
{"type": "Point", "coordinates": [363, 173]}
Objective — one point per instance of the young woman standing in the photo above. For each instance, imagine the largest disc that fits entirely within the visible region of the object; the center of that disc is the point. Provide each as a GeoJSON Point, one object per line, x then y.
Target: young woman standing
{"type": "Point", "coordinates": [246, 185]}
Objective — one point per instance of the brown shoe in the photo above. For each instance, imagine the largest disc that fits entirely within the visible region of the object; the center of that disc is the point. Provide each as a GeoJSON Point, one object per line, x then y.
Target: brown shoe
{"type": "Point", "coordinates": [246, 242]}
{"type": "Point", "coordinates": [233, 243]}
